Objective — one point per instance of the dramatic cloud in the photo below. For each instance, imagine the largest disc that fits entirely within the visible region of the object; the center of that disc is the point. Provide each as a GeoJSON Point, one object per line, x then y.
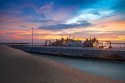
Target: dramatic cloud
{"type": "Point", "coordinates": [80, 23]}
{"type": "Point", "coordinates": [54, 17]}
{"type": "Point", "coordinates": [46, 9]}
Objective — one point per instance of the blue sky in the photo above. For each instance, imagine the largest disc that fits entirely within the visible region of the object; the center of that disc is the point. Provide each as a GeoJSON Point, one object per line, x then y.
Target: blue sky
{"type": "Point", "coordinates": [69, 16]}
{"type": "Point", "coordinates": [42, 9]}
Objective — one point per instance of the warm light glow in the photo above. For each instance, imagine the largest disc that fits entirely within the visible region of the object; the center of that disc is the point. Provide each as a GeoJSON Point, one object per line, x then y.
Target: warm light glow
{"type": "Point", "coordinates": [51, 20]}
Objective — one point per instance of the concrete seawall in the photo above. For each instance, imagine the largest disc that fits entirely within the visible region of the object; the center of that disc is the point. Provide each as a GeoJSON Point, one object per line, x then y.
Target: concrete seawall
{"type": "Point", "coordinates": [17, 66]}
{"type": "Point", "coordinates": [116, 54]}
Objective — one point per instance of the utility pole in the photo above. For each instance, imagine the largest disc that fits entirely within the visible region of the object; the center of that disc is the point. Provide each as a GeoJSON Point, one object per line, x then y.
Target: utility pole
{"type": "Point", "coordinates": [61, 36]}
{"type": "Point", "coordinates": [32, 37]}
{"type": "Point", "coordinates": [90, 37]}
{"type": "Point", "coordinates": [69, 36]}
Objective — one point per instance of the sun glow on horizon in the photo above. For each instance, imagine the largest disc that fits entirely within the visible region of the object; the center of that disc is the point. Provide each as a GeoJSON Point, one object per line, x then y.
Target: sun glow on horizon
{"type": "Point", "coordinates": [51, 20]}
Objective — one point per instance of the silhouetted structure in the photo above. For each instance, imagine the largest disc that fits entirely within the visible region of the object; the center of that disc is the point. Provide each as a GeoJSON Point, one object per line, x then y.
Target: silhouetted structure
{"type": "Point", "coordinates": [63, 42]}
{"type": "Point", "coordinates": [78, 43]}
{"type": "Point", "coordinates": [106, 42]}
{"type": "Point", "coordinates": [48, 43]}
{"type": "Point", "coordinates": [91, 42]}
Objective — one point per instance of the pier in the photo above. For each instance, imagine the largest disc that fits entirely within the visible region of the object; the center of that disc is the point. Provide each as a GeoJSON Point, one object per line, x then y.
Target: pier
{"type": "Point", "coordinates": [97, 53]}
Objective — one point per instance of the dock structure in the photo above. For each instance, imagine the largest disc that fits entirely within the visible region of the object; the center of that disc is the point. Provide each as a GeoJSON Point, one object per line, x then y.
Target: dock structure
{"type": "Point", "coordinates": [98, 53]}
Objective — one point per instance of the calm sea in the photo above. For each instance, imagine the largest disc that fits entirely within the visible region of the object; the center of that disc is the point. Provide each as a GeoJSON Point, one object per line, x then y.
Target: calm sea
{"type": "Point", "coordinates": [109, 69]}
{"type": "Point", "coordinates": [118, 45]}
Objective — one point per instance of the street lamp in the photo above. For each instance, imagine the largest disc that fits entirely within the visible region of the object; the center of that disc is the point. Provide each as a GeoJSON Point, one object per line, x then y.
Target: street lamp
{"type": "Point", "coordinates": [32, 37]}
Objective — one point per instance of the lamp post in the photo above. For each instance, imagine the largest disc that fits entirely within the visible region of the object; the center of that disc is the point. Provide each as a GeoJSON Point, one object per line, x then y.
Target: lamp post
{"type": "Point", "coordinates": [32, 37]}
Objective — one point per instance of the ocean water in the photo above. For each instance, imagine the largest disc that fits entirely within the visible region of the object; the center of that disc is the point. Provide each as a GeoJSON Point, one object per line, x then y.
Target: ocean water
{"type": "Point", "coordinates": [110, 69]}
{"type": "Point", "coordinates": [118, 45]}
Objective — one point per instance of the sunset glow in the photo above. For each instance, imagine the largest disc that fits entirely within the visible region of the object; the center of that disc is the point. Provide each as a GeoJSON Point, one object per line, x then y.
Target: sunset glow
{"type": "Point", "coordinates": [52, 19]}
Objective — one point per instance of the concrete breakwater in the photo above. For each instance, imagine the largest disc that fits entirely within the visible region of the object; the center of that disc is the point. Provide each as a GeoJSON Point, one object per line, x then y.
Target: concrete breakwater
{"type": "Point", "coordinates": [113, 54]}
{"type": "Point", "coordinates": [17, 66]}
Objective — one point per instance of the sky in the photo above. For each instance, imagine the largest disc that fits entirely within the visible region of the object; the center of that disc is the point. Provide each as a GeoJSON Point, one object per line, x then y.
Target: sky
{"type": "Point", "coordinates": [51, 19]}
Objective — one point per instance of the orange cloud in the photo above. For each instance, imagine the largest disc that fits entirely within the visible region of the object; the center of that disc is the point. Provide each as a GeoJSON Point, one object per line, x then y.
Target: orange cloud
{"type": "Point", "coordinates": [107, 31]}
